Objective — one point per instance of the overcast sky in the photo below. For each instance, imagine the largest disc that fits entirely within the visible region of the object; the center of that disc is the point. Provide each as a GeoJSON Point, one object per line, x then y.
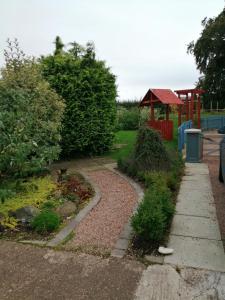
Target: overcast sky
{"type": "Point", "coordinates": [143, 41]}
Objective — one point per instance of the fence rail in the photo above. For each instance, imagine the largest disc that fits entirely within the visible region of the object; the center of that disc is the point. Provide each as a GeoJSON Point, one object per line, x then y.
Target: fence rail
{"type": "Point", "coordinates": [214, 122]}
{"type": "Point", "coordinates": [181, 134]}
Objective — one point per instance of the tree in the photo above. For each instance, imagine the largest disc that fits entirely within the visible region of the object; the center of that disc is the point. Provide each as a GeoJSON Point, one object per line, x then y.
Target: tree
{"type": "Point", "coordinates": [89, 90]}
{"type": "Point", "coordinates": [58, 46]}
{"type": "Point", "coordinates": [209, 52]}
{"type": "Point", "coordinates": [30, 115]}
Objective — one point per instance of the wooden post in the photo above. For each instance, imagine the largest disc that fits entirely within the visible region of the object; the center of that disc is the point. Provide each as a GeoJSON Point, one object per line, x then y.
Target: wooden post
{"type": "Point", "coordinates": [167, 112]}
{"type": "Point", "coordinates": [152, 109]}
{"type": "Point", "coordinates": [179, 113]}
{"type": "Point", "coordinates": [192, 108]}
{"type": "Point", "coordinates": [199, 111]}
{"type": "Point", "coordinates": [187, 108]}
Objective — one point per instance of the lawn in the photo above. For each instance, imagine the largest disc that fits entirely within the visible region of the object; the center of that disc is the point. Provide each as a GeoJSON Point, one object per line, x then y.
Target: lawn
{"type": "Point", "coordinates": [125, 140]}
{"type": "Point", "coordinates": [123, 144]}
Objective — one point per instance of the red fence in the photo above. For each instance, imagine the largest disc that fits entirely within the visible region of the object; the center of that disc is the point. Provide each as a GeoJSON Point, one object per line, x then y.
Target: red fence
{"type": "Point", "coordinates": [164, 127]}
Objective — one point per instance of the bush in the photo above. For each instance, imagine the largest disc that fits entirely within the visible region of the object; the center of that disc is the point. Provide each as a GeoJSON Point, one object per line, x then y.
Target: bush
{"type": "Point", "coordinates": [128, 119]}
{"type": "Point", "coordinates": [150, 152]}
{"type": "Point", "coordinates": [30, 116]}
{"type": "Point", "coordinates": [154, 213]}
{"type": "Point", "coordinates": [46, 221]}
{"type": "Point", "coordinates": [89, 90]}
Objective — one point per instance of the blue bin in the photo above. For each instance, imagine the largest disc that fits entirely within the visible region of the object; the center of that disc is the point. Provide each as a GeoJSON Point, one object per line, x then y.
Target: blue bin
{"type": "Point", "coordinates": [194, 145]}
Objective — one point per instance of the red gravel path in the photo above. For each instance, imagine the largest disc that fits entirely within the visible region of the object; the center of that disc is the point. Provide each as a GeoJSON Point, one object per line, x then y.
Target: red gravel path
{"type": "Point", "coordinates": [103, 225]}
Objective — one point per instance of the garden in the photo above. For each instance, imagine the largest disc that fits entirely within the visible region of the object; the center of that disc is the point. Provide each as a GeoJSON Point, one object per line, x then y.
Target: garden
{"type": "Point", "coordinates": [62, 107]}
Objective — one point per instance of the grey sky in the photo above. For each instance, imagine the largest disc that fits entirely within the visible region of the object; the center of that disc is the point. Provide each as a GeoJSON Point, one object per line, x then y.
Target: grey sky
{"type": "Point", "coordinates": [143, 41]}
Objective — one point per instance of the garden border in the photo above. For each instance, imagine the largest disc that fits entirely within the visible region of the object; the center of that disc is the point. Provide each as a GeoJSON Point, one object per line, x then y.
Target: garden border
{"type": "Point", "coordinates": [125, 236]}
{"type": "Point", "coordinates": [62, 235]}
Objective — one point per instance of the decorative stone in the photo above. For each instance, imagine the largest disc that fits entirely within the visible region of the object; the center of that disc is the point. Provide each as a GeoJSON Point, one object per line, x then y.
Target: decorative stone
{"type": "Point", "coordinates": [25, 214]}
{"type": "Point", "coordinates": [67, 209]}
{"type": "Point", "coordinates": [165, 251]}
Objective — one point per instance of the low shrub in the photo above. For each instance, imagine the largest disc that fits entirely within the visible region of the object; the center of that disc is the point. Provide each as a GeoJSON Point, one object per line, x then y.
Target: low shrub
{"type": "Point", "coordinates": [150, 152]}
{"type": "Point", "coordinates": [153, 214]}
{"type": "Point", "coordinates": [46, 221]}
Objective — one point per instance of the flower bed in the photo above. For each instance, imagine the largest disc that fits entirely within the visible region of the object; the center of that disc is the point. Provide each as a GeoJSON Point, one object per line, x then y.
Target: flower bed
{"type": "Point", "coordinates": [37, 207]}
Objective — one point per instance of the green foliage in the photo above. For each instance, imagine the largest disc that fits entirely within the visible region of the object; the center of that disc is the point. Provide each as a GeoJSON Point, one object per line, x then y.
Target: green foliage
{"type": "Point", "coordinates": [46, 221]}
{"type": "Point", "coordinates": [150, 152]}
{"type": "Point", "coordinates": [209, 52]}
{"type": "Point", "coordinates": [130, 119]}
{"type": "Point", "coordinates": [160, 168]}
{"type": "Point", "coordinates": [155, 211]}
{"type": "Point", "coordinates": [89, 90]}
{"type": "Point", "coordinates": [30, 116]}
{"type": "Point", "coordinates": [128, 104]}
{"type": "Point", "coordinates": [34, 192]}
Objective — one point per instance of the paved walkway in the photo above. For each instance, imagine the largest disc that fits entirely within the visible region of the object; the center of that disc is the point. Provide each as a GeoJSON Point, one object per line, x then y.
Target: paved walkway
{"type": "Point", "coordinates": [195, 235]}
{"type": "Point", "coordinates": [32, 273]}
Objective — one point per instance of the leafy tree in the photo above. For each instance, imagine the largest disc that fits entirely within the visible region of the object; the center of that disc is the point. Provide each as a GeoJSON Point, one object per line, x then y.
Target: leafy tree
{"type": "Point", "coordinates": [209, 52]}
{"type": "Point", "coordinates": [89, 90]}
{"type": "Point", "coordinates": [30, 115]}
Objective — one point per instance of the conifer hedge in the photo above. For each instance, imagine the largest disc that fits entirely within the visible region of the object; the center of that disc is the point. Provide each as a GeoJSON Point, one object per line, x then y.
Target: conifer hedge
{"type": "Point", "coordinates": [89, 90]}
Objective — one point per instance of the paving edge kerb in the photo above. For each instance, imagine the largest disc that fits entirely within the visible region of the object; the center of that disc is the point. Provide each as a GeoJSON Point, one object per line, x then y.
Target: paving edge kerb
{"type": "Point", "coordinates": [125, 236]}
{"type": "Point", "coordinates": [63, 234]}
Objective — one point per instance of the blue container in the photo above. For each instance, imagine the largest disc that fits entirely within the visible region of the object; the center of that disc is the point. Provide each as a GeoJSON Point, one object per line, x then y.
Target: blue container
{"type": "Point", "coordinates": [194, 148]}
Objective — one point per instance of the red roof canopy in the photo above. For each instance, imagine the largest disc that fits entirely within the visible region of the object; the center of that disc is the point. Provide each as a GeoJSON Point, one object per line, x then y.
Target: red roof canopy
{"type": "Point", "coordinates": [187, 91]}
{"type": "Point", "coordinates": [165, 96]}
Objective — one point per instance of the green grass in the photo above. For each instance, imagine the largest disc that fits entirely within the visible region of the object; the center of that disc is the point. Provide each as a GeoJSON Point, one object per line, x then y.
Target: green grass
{"type": "Point", "coordinates": [125, 138]}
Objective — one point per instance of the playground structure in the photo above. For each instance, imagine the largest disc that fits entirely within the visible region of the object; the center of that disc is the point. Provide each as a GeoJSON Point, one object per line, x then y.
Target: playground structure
{"type": "Point", "coordinates": [188, 102]}
{"type": "Point", "coordinates": [166, 98]}
{"type": "Point", "coordinates": [191, 99]}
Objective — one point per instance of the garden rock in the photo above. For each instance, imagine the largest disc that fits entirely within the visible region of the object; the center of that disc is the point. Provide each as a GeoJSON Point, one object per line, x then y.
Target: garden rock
{"type": "Point", "coordinates": [67, 209]}
{"type": "Point", "coordinates": [25, 214]}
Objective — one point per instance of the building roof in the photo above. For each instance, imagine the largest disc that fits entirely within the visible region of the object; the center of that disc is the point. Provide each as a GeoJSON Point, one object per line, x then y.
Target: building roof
{"type": "Point", "coordinates": [165, 96]}
{"type": "Point", "coordinates": [187, 91]}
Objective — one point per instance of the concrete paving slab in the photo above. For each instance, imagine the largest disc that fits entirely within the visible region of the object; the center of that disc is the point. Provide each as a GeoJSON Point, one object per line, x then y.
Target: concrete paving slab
{"type": "Point", "coordinates": [194, 207]}
{"type": "Point", "coordinates": [195, 227]}
{"type": "Point", "coordinates": [196, 168]}
{"type": "Point", "coordinates": [196, 253]}
{"type": "Point", "coordinates": [195, 191]}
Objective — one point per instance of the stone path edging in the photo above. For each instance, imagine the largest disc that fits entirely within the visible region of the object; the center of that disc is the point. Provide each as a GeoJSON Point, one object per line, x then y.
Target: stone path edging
{"type": "Point", "coordinates": [124, 238]}
{"type": "Point", "coordinates": [62, 235]}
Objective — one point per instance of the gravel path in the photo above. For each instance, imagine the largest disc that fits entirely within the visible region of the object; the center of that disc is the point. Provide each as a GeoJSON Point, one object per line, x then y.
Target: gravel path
{"type": "Point", "coordinates": [103, 225]}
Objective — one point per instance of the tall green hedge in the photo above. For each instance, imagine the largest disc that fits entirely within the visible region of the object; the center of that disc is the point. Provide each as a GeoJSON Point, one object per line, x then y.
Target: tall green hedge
{"type": "Point", "coordinates": [89, 90]}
